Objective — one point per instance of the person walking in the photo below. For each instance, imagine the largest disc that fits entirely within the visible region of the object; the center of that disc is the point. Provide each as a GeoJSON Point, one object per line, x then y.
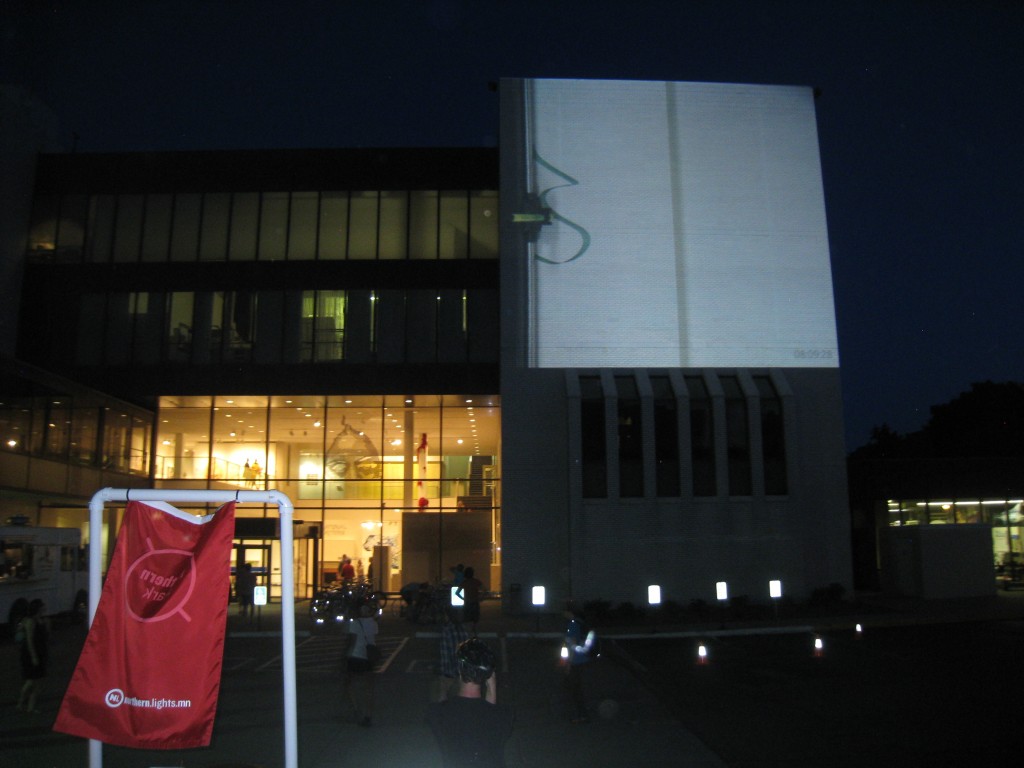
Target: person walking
{"type": "Point", "coordinates": [471, 728]}
{"type": "Point", "coordinates": [347, 572]}
{"type": "Point", "coordinates": [470, 591]}
{"type": "Point", "coordinates": [577, 654]}
{"type": "Point", "coordinates": [453, 634]}
{"type": "Point", "coordinates": [34, 629]}
{"type": "Point", "coordinates": [359, 676]}
{"type": "Point", "coordinates": [245, 588]}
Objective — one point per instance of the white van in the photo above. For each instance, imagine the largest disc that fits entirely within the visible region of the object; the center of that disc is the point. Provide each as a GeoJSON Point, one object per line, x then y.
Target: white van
{"type": "Point", "coordinates": [45, 563]}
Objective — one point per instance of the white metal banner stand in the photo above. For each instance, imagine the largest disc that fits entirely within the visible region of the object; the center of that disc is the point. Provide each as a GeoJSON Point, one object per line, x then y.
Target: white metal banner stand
{"type": "Point", "coordinates": [285, 509]}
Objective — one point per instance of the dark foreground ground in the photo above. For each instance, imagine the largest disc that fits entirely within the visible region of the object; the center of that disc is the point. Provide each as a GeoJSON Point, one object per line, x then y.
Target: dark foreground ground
{"type": "Point", "coordinates": [929, 695]}
{"type": "Point", "coordinates": [919, 687]}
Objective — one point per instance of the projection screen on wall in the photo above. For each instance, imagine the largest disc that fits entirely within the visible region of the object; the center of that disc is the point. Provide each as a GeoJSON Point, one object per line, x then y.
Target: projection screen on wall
{"type": "Point", "coordinates": [670, 224]}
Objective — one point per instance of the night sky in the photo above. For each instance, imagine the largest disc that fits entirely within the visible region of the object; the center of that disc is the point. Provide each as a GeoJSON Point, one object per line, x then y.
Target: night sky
{"type": "Point", "coordinates": [920, 121]}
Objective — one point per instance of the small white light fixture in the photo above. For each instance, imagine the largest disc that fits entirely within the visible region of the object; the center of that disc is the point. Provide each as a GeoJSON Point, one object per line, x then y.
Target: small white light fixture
{"type": "Point", "coordinates": [702, 654]}
{"type": "Point", "coordinates": [775, 589]}
{"type": "Point", "coordinates": [722, 590]}
{"type": "Point", "coordinates": [654, 594]}
{"type": "Point", "coordinates": [819, 646]}
{"type": "Point", "coordinates": [858, 629]}
{"type": "Point", "coordinates": [538, 596]}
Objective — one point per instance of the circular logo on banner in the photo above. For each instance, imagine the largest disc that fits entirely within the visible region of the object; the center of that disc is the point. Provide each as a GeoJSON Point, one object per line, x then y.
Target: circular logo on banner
{"type": "Point", "coordinates": [159, 584]}
{"type": "Point", "coordinates": [114, 698]}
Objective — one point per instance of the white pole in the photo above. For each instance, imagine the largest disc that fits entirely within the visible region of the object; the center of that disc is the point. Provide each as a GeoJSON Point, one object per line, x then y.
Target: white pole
{"type": "Point", "coordinates": [291, 754]}
{"type": "Point", "coordinates": [285, 510]}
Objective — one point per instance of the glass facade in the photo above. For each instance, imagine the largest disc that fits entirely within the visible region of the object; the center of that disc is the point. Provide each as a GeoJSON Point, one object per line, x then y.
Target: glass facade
{"type": "Point", "coordinates": [77, 428]}
{"type": "Point", "coordinates": [419, 475]}
{"type": "Point", "coordinates": [1006, 517]}
{"type": "Point", "coordinates": [273, 326]}
{"type": "Point", "coordinates": [265, 226]}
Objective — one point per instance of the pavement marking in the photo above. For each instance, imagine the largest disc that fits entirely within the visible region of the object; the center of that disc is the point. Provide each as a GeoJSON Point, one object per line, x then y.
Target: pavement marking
{"type": "Point", "coordinates": [235, 664]}
{"type": "Point", "coordinates": [326, 652]}
{"type": "Point", "coordinates": [390, 657]}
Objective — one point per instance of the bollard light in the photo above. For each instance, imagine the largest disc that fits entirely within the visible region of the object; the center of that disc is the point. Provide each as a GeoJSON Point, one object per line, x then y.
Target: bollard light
{"type": "Point", "coordinates": [654, 595]}
{"type": "Point", "coordinates": [819, 646]}
{"type": "Point", "coordinates": [722, 590]}
{"type": "Point", "coordinates": [775, 589]}
{"type": "Point", "coordinates": [538, 596]}
{"type": "Point", "coordinates": [858, 629]}
{"type": "Point", "coordinates": [702, 654]}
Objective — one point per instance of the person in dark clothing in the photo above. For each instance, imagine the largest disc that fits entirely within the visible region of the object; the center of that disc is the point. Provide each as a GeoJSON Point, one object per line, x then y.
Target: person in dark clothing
{"type": "Point", "coordinates": [578, 652]}
{"type": "Point", "coordinates": [35, 654]}
{"type": "Point", "coordinates": [471, 728]}
{"type": "Point", "coordinates": [470, 590]}
{"type": "Point", "coordinates": [245, 588]}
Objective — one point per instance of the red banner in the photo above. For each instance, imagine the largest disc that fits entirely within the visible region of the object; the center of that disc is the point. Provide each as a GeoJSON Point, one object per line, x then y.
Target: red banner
{"type": "Point", "coordinates": [149, 674]}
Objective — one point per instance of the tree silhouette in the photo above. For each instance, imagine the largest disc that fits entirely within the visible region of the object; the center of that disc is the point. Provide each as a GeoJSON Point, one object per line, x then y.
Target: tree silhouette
{"type": "Point", "coordinates": [985, 421]}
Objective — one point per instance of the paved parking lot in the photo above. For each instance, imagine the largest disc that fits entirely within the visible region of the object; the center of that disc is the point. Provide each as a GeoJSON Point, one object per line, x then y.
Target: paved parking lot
{"type": "Point", "coordinates": [929, 695]}
{"type": "Point", "coordinates": [904, 693]}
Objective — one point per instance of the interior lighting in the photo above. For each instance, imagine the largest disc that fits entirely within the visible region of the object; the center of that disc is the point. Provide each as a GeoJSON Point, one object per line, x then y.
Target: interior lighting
{"type": "Point", "coordinates": [12, 443]}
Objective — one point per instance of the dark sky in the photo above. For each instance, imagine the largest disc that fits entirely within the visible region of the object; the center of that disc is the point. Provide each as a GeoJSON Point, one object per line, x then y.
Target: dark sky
{"type": "Point", "coordinates": [919, 119]}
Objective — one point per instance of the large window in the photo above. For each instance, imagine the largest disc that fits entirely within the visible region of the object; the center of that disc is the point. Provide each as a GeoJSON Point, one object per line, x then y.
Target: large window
{"type": "Point", "coordinates": [630, 435]}
{"type": "Point", "coordinates": [323, 325]}
{"type": "Point", "coordinates": [702, 437]}
{"type": "Point", "coordinates": [773, 442]}
{"type": "Point", "coordinates": [625, 411]}
{"type": "Point", "coordinates": [1005, 516]}
{"type": "Point", "coordinates": [361, 326]}
{"type": "Point", "coordinates": [364, 469]}
{"type": "Point", "coordinates": [592, 438]}
{"type": "Point", "coordinates": [737, 435]}
{"type": "Point", "coordinates": [666, 438]}
{"type": "Point", "coordinates": [266, 226]}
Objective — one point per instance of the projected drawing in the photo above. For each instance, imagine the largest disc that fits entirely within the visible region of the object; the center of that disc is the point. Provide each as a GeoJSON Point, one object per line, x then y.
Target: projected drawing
{"type": "Point", "coordinates": [700, 212]}
{"type": "Point", "coordinates": [353, 456]}
{"type": "Point", "coordinates": [552, 215]}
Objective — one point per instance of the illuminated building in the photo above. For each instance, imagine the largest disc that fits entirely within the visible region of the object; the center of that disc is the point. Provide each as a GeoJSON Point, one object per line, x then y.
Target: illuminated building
{"type": "Point", "coordinates": [585, 413]}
